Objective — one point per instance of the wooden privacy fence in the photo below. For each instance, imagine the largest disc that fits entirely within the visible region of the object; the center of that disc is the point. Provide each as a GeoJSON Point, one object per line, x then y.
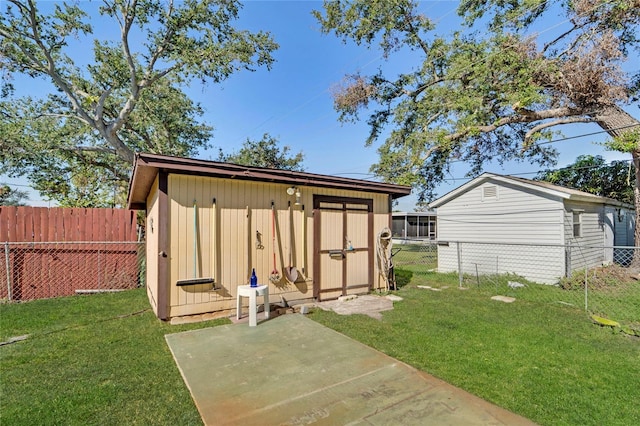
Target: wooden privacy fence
{"type": "Point", "coordinates": [51, 252]}
{"type": "Point", "coordinates": [57, 224]}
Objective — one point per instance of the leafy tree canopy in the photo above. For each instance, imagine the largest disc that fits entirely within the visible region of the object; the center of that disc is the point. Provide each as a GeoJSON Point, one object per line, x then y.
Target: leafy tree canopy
{"type": "Point", "coordinates": [265, 153]}
{"type": "Point", "coordinates": [12, 197]}
{"type": "Point", "coordinates": [592, 174]}
{"type": "Point", "coordinates": [76, 144]}
{"type": "Point", "coordinates": [491, 90]}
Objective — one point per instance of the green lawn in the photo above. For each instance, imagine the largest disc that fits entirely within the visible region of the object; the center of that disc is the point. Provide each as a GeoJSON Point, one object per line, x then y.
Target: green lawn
{"type": "Point", "coordinates": [544, 361]}
{"type": "Point", "coordinates": [102, 359]}
{"type": "Point", "coordinates": [91, 360]}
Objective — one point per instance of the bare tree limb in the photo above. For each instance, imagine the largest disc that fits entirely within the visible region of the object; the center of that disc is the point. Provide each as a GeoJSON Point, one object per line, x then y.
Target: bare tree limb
{"type": "Point", "coordinates": [523, 116]}
{"type": "Point", "coordinates": [89, 149]}
{"type": "Point", "coordinates": [542, 126]}
{"type": "Point", "coordinates": [100, 106]}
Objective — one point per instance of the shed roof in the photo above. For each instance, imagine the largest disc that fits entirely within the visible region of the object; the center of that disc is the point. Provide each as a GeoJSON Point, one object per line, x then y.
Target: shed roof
{"type": "Point", "coordinates": [146, 167]}
{"type": "Point", "coordinates": [534, 185]}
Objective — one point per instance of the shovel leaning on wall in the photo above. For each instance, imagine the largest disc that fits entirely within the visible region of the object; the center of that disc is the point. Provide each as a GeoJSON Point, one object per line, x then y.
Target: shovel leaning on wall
{"type": "Point", "coordinates": [290, 272]}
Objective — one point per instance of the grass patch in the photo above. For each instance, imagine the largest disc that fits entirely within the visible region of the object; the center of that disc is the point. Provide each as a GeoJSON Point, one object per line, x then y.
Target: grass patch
{"type": "Point", "coordinates": [417, 257]}
{"type": "Point", "coordinates": [544, 361]}
{"type": "Point", "coordinates": [102, 359]}
{"type": "Point", "coordinates": [98, 359]}
{"type": "Point", "coordinates": [607, 297]}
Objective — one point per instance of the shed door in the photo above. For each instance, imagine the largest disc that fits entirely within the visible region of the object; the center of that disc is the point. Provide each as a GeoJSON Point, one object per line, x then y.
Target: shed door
{"type": "Point", "coordinates": [343, 246]}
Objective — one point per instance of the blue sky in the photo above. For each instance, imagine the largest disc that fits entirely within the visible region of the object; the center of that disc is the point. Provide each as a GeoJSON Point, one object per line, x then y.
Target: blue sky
{"type": "Point", "coordinates": [293, 103]}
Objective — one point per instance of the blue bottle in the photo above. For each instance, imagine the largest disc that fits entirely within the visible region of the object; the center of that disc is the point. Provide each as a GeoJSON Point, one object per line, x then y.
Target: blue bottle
{"type": "Point", "coordinates": [254, 279]}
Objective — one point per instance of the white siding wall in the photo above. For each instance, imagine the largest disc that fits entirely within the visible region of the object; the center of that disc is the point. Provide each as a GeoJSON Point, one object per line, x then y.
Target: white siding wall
{"type": "Point", "coordinates": [514, 216]}
{"type": "Point", "coordinates": [587, 250]}
{"type": "Point", "coordinates": [535, 263]}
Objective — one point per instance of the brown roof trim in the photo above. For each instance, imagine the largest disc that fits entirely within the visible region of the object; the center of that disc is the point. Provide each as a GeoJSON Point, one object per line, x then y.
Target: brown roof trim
{"type": "Point", "coordinates": [146, 167]}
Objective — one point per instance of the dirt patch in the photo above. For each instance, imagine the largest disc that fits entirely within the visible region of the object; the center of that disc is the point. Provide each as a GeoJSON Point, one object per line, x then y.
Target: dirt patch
{"type": "Point", "coordinates": [610, 277]}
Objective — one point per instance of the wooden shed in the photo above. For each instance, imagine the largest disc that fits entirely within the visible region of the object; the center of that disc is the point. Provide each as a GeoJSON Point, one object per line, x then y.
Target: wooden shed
{"type": "Point", "coordinates": [209, 224]}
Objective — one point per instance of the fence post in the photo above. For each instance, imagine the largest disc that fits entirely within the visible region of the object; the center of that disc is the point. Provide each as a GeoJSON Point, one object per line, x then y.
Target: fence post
{"type": "Point", "coordinates": [459, 248]}
{"type": "Point", "coordinates": [567, 260]}
{"type": "Point", "coordinates": [99, 270]}
{"type": "Point", "coordinates": [586, 289]}
{"type": "Point", "coordinates": [8, 265]}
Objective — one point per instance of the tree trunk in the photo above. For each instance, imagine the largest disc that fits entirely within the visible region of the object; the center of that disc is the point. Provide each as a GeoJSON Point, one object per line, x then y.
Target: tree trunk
{"type": "Point", "coordinates": [617, 122]}
{"type": "Point", "coordinates": [635, 263]}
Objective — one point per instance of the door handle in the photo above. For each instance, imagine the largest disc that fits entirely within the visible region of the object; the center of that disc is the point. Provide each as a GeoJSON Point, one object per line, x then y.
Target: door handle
{"type": "Point", "coordinates": [336, 254]}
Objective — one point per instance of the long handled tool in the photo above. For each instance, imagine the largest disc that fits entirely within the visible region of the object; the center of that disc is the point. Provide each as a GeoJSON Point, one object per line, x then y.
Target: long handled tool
{"type": "Point", "coordinates": [249, 263]}
{"type": "Point", "coordinates": [275, 276]}
{"type": "Point", "coordinates": [290, 271]}
{"type": "Point", "coordinates": [195, 280]}
{"type": "Point", "coordinates": [303, 244]}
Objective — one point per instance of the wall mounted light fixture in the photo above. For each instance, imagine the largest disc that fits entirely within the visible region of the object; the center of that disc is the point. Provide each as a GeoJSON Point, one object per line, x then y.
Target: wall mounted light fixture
{"type": "Point", "coordinates": [298, 195]}
{"type": "Point", "coordinates": [292, 190]}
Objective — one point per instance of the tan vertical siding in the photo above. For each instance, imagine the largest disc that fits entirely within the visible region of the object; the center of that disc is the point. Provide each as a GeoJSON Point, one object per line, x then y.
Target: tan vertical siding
{"type": "Point", "coordinates": [152, 222]}
{"type": "Point", "coordinates": [357, 270]}
{"type": "Point", "coordinates": [227, 249]}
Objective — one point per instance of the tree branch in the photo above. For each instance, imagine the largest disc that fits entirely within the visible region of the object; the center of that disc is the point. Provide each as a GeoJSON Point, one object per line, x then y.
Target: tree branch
{"type": "Point", "coordinates": [112, 167]}
{"type": "Point", "coordinates": [561, 36]}
{"type": "Point", "coordinates": [51, 66]}
{"type": "Point", "coordinates": [89, 149]}
{"type": "Point", "coordinates": [554, 123]}
{"type": "Point", "coordinates": [135, 88]}
{"type": "Point", "coordinates": [161, 46]}
{"type": "Point", "coordinates": [522, 116]}
{"type": "Point", "coordinates": [124, 36]}
{"type": "Point", "coordinates": [413, 31]}
{"type": "Point", "coordinates": [100, 105]}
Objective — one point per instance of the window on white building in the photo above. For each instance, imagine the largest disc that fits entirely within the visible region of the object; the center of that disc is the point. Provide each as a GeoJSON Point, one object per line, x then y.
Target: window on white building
{"type": "Point", "coordinates": [577, 223]}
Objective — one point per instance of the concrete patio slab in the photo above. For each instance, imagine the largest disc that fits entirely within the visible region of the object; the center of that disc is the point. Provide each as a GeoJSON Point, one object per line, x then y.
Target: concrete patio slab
{"type": "Point", "coordinates": [291, 370]}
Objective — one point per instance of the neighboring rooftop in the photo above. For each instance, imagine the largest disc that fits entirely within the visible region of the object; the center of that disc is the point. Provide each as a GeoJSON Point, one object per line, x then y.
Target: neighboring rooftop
{"type": "Point", "coordinates": [560, 191]}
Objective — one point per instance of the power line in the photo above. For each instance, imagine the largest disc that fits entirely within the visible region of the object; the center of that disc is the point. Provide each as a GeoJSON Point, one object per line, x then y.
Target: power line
{"type": "Point", "coordinates": [569, 167]}
{"type": "Point", "coordinates": [275, 119]}
{"type": "Point", "coordinates": [628, 126]}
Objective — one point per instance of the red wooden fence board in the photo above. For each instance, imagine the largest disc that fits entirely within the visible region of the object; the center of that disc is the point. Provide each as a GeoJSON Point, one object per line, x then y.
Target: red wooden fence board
{"type": "Point", "coordinates": [11, 222]}
{"type": "Point", "coordinates": [42, 224]}
{"type": "Point", "coordinates": [108, 223]}
{"type": "Point", "coordinates": [45, 269]}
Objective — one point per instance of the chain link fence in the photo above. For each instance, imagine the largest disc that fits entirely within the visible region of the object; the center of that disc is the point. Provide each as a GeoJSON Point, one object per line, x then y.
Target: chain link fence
{"type": "Point", "coordinates": [602, 280]}
{"type": "Point", "coordinates": [36, 270]}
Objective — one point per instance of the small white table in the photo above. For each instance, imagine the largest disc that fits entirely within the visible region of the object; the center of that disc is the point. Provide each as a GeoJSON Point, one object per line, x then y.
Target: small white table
{"type": "Point", "coordinates": [252, 293]}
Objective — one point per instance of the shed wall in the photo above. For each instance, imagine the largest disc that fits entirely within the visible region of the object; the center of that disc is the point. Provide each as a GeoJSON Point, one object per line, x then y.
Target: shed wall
{"type": "Point", "coordinates": [152, 222]}
{"type": "Point", "coordinates": [226, 239]}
